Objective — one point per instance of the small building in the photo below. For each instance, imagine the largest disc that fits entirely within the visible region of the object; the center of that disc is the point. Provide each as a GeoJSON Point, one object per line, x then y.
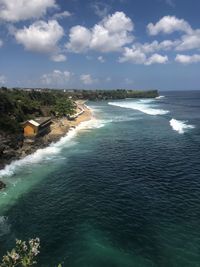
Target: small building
{"type": "Point", "coordinates": [37, 127]}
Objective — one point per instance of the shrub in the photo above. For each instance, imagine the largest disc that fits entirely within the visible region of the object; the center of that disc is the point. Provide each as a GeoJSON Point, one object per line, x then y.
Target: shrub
{"type": "Point", "coordinates": [23, 254]}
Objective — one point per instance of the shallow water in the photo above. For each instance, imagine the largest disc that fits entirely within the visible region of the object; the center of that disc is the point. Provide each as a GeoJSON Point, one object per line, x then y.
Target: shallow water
{"type": "Point", "coordinates": [123, 190]}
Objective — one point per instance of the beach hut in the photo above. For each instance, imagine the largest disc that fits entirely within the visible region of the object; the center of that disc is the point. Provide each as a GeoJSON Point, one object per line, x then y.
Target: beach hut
{"type": "Point", "coordinates": [37, 127]}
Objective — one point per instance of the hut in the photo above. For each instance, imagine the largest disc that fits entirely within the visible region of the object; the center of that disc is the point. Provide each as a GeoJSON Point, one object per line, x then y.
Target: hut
{"type": "Point", "coordinates": [37, 127]}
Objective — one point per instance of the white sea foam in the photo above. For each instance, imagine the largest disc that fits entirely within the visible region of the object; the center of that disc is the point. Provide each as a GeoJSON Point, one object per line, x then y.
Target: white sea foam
{"type": "Point", "coordinates": [180, 126]}
{"type": "Point", "coordinates": [143, 105]}
{"type": "Point", "coordinates": [51, 151]}
{"type": "Point", "coordinates": [159, 97]}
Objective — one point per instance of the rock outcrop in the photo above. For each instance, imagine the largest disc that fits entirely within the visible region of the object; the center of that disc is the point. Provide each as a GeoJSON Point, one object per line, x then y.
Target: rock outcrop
{"type": "Point", "coordinates": [9, 145]}
{"type": "Point", "coordinates": [2, 185]}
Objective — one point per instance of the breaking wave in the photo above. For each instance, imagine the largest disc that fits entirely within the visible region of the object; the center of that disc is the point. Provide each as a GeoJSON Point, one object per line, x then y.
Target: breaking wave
{"type": "Point", "coordinates": [160, 97]}
{"type": "Point", "coordinates": [52, 150]}
{"type": "Point", "coordinates": [144, 105]}
{"type": "Point", "coordinates": [180, 126]}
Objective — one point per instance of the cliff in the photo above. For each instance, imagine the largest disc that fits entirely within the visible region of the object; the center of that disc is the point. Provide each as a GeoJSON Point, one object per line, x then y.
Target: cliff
{"type": "Point", "coordinates": [15, 146]}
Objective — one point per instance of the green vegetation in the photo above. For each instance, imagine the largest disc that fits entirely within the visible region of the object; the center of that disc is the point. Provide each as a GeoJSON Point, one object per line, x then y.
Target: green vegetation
{"type": "Point", "coordinates": [18, 105]}
{"type": "Point", "coordinates": [114, 94]}
{"type": "Point", "coordinates": [64, 107]}
{"type": "Point", "coordinates": [23, 255]}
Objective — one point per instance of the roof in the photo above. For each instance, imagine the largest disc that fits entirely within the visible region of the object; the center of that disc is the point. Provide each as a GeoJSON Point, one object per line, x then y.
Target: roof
{"type": "Point", "coordinates": [42, 120]}
{"type": "Point", "coordinates": [39, 121]}
{"type": "Point", "coordinates": [34, 122]}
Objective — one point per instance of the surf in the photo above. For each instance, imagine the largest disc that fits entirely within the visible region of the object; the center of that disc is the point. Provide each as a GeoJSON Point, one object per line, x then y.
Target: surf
{"type": "Point", "coordinates": [160, 97]}
{"type": "Point", "coordinates": [144, 105]}
{"type": "Point", "coordinates": [53, 150]}
{"type": "Point", "coordinates": [180, 126]}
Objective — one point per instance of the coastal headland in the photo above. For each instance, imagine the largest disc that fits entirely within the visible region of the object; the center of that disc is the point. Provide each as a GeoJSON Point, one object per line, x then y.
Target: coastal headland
{"type": "Point", "coordinates": [62, 109]}
{"type": "Point", "coordinates": [59, 127]}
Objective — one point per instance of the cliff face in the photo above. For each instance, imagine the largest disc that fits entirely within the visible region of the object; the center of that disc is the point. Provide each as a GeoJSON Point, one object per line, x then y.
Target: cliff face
{"type": "Point", "coordinates": [9, 145]}
{"type": "Point", "coordinates": [2, 185]}
{"type": "Point", "coordinates": [15, 146]}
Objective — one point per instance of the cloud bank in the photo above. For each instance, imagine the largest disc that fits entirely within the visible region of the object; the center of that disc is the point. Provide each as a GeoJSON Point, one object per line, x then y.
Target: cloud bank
{"type": "Point", "coordinates": [109, 35]}
{"type": "Point", "coordinates": [16, 10]}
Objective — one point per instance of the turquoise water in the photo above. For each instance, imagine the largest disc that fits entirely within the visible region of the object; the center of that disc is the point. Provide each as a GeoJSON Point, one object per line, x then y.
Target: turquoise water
{"type": "Point", "coordinates": [122, 190]}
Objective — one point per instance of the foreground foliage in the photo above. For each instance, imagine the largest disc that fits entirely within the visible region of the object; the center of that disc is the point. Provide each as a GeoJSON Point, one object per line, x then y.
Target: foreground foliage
{"type": "Point", "coordinates": [23, 254]}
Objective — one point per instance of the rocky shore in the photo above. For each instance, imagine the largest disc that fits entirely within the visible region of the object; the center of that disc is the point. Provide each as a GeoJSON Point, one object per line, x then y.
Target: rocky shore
{"type": "Point", "coordinates": [14, 147]}
{"type": "Point", "coordinates": [2, 185]}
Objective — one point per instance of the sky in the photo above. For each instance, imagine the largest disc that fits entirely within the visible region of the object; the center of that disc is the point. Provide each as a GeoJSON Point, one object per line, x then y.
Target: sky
{"type": "Point", "coordinates": [96, 44]}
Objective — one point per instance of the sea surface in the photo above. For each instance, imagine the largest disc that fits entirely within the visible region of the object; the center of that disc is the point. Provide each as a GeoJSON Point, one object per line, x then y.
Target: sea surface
{"type": "Point", "coordinates": [122, 190]}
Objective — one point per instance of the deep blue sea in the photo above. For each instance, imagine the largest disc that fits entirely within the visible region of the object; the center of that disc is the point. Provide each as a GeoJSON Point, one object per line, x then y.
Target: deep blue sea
{"type": "Point", "coordinates": [122, 190]}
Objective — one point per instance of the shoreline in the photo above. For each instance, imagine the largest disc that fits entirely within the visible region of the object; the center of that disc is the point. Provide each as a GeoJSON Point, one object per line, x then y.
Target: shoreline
{"type": "Point", "coordinates": [60, 127]}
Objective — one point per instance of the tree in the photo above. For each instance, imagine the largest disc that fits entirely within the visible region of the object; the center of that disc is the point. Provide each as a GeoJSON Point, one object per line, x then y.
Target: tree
{"type": "Point", "coordinates": [65, 107]}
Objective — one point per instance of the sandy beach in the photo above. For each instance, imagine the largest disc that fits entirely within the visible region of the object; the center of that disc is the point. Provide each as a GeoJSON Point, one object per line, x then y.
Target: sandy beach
{"type": "Point", "coordinates": [61, 126]}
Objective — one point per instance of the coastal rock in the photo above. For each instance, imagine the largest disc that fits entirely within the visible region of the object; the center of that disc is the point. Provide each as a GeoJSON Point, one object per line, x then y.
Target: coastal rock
{"type": "Point", "coordinates": [9, 145]}
{"type": "Point", "coordinates": [13, 147]}
{"type": "Point", "coordinates": [2, 185]}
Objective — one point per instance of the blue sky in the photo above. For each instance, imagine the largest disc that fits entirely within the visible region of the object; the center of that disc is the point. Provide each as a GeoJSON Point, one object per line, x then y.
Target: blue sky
{"type": "Point", "coordinates": [134, 44]}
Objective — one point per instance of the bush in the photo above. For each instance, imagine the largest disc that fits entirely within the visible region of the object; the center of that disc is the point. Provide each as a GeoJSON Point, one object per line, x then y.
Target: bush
{"type": "Point", "coordinates": [23, 255]}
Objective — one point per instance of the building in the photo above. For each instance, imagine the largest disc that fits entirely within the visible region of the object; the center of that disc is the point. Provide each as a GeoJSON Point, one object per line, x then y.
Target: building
{"type": "Point", "coordinates": [37, 127]}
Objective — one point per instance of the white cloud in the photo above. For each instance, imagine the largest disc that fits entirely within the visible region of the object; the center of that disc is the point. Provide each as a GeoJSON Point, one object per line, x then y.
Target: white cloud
{"type": "Point", "coordinates": [169, 24]}
{"type": "Point", "coordinates": [156, 46]}
{"type": "Point", "coordinates": [16, 10]}
{"type": "Point", "coordinates": [40, 36]}
{"type": "Point", "coordinates": [61, 15]}
{"type": "Point", "coordinates": [100, 9]}
{"type": "Point", "coordinates": [80, 38]}
{"type": "Point", "coordinates": [117, 22]}
{"type": "Point", "coordinates": [137, 56]}
{"type": "Point", "coordinates": [110, 35]}
{"type": "Point", "coordinates": [185, 59]}
{"type": "Point", "coordinates": [58, 58]}
{"type": "Point", "coordinates": [133, 55]}
{"type": "Point", "coordinates": [156, 59]}
{"type": "Point", "coordinates": [56, 78]}
{"type": "Point", "coordinates": [149, 48]}
{"type": "Point", "coordinates": [2, 79]}
{"type": "Point", "coordinates": [87, 79]}
{"type": "Point", "coordinates": [190, 41]}
{"type": "Point", "coordinates": [101, 59]}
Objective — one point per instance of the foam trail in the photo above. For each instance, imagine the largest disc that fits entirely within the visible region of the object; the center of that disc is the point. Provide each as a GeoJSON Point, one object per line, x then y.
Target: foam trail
{"type": "Point", "coordinates": [159, 97]}
{"type": "Point", "coordinates": [144, 105]}
{"type": "Point", "coordinates": [180, 126]}
{"type": "Point", "coordinates": [52, 150]}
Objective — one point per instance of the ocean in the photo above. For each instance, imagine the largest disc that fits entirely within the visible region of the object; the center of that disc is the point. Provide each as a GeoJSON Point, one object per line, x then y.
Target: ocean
{"type": "Point", "coordinates": [121, 190]}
